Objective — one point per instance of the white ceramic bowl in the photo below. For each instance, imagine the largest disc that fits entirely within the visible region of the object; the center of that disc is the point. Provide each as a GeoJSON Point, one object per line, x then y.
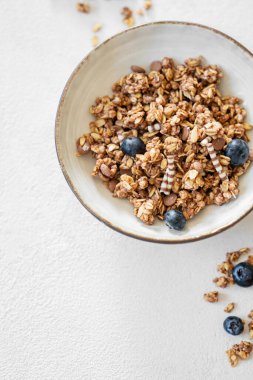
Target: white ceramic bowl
{"type": "Point", "coordinates": [94, 76]}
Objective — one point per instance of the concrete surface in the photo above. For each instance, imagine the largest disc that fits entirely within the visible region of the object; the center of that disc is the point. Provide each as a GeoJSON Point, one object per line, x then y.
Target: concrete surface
{"type": "Point", "coordinates": [78, 300]}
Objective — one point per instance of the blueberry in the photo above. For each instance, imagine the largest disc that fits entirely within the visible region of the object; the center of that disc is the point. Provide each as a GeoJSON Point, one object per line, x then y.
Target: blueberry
{"type": "Point", "coordinates": [243, 274]}
{"type": "Point", "coordinates": [175, 220]}
{"type": "Point", "coordinates": [237, 151]}
{"type": "Point", "coordinates": [132, 146]}
{"type": "Point", "coordinates": [233, 325]}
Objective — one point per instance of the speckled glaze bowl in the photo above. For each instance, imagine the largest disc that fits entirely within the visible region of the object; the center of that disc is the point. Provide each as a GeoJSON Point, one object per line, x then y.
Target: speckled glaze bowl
{"type": "Point", "coordinates": [94, 76]}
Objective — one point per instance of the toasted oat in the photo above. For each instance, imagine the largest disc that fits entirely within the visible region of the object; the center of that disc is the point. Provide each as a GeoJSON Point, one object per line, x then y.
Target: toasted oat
{"type": "Point", "coordinates": [94, 41]}
{"type": "Point", "coordinates": [212, 296]}
{"type": "Point", "coordinates": [230, 307]}
{"type": "Point", "coordinates": [97, 27]}
{"type": "Point", "coordinates": [83, 7]}
{"type": "Point", "coordinates": [239, 351]}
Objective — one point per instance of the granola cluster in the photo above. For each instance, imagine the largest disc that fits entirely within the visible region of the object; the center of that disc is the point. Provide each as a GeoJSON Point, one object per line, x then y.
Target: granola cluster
{"type": "Point", "coordinates": [171, 108]}
{"type": "Point", "coordinates": [239, 351]}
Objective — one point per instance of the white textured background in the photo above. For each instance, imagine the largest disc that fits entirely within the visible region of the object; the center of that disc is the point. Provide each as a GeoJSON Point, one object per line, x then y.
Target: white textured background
{"type": "Point", "coordinates": [78, 300]}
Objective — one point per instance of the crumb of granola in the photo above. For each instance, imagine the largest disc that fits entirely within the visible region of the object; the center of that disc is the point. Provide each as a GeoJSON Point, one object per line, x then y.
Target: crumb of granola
{"type": "Point", "coordinates": [235, 255]}
{"type": "Point", "coordinates": [126, 12]}
{"type": "Point", "coordinates": [128, 18]}
{"type": "Point", "coordinates": [230, 307]}
{"type": "Point", "coordinates": [147, 4]}
{"type": "Point", "coordinates": [232, 357]}
{"type": "Point", "coordinates": [221, 282]}
{"type": "Point", "coordinates": [212, 296]}
{"type": "Point", "coordinates": [94, 41]}
{"type": "Point", "coordinates": [129, 21]}
{"type": "Point", "coordinates": [97, 27]}
{"type": "Point", "coordinates": [250, 315]}
{"type": "Point", "coordinates": [83, 7]}
{"type": "Point", "coordinates": [250, 260]}
{"type": "Point", "coordinates": [239, 351]}
{"type": "Point", "coordinates": [225, 268]}
{"type": "Point", "coordinates": [251, 329]}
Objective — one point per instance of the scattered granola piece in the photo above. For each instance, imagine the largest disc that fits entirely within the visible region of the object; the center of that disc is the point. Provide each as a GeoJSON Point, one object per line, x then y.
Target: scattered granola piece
{"type": "Point", "coordinates": [129, 21]}
{"type": "Point", "coordinates": [83, 7]}
{"type": "Point", "coordinates": [126, 12]}
{"type": "Point", "coordinates": [94, 41]}
{"type": "Point", "coordinates": [230, 307]}
{"type": "Point", "coordinates": [250, 260]}
{"type": "Point", "coordinates": [235, 255]}
{"type": "Point", "coordinates": [211, 296]}
{"type": "Point", "coordinates": [232, 357]}
{"type": "Point", "coordinates": [250, 315]}
{"type": "Point", "coordinates": [221, 282]}
{"type": "Point", "coordinates": [241, 350]}
{"type": "Point", "coordinates": [97, 27]}
{"type": "Point", "coordinates": [128, 18]}
{"type": "Point", "coordinates": [225, 268]}
{"type": "Point", "coordinates": [147, 4]}
{"type": "Point", "coordinates": [251, 154]}
{"type": "Point", "coordinates": [251, 329]}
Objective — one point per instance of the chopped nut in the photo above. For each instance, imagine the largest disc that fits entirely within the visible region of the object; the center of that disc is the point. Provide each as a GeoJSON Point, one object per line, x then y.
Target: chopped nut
{"type": "Point", "coordinates": [230, 307]}
{"type": "Point", "coordinates": [137, 69]}
{"type": "Point", "coordinates": [97, 27]}
{"type": "Point", "coordinates": [170, 200]}
{"type": "Point", "coordinates": [211, 296]}
{"type": "Point", "coordinates": [156, 66]}
{"type": "Point", "coordinates": [83, 7]}
{"type": "Point", "coordinates": [219, 143]}
{"type": "Point", "coordinates": [94, 41]}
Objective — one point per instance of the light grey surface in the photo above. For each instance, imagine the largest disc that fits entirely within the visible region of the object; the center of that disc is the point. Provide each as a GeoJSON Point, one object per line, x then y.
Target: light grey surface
{"type": "Point", "coordinates": [79, 301]}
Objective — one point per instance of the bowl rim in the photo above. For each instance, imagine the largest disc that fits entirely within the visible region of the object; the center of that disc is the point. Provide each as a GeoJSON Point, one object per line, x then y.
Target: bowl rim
{"type": "Point", "coordinates": [59, 147]}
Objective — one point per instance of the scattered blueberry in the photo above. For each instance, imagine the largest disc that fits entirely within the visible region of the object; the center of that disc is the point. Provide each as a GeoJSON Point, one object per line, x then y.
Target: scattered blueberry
{"type": "Point", "coordinates": [175, 220]}
{"type": "Point", "coordinates": [237, 151]}
{"type": "Point", "coordinates": [132, 146]}
{"type": "Point", "coordinates": [243, 274]}
{"type": "Point", "coordinates": [233, 325]}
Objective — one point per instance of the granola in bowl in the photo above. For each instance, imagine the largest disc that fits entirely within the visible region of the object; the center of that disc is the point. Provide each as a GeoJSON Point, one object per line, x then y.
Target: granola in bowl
{"type": "Point", "coordinates": [192, 135]}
